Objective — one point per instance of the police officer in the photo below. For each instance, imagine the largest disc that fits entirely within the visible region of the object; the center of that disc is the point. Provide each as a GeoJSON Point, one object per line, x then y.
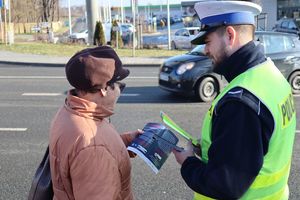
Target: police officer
{"type": "Point", "coordinates": [248, 133]}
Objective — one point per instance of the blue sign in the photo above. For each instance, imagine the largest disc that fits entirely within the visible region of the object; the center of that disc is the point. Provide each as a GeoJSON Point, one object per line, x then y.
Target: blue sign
{"type": "Point", "coordinates": [1, 3]}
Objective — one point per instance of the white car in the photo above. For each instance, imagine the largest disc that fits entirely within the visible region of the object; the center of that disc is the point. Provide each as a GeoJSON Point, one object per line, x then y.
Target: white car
{"type": "Point", "coordinates": [182, 38]}
{"type": "Point", "coordinates": [36, 29]}
{"type": "Point", "coordinates": [127, 28]}
{"type": "Point", "coordinates": [82, 36]}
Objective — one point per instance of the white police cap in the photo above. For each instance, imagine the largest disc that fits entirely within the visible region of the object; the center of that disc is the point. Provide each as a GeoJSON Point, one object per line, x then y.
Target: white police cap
{"type": "Point", "coordinates": [213, 14]}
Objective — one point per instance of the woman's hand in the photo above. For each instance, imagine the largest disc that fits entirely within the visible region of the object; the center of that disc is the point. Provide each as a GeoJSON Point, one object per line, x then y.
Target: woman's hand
{"type": "Point", "coordinates": [129, 136]}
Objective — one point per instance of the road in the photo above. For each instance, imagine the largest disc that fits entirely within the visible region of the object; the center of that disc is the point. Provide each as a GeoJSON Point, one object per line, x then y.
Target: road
{"type": "Point", "coordinates": [151, 39]}
{"type": "Point", "coordinates": [30, 96]}
{"type": "Point", "coordinates": [161, 37]}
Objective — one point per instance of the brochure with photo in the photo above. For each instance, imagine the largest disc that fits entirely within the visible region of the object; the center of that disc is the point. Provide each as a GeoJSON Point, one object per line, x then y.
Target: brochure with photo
{"type": "Point", "coordinates": [154, 145]}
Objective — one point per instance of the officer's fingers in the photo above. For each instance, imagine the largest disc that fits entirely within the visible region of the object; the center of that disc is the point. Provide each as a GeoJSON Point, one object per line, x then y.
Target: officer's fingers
{"type": "Point", "coordinates": [189, 145]}
{"type": "Point", "coordinates": [176, 152]}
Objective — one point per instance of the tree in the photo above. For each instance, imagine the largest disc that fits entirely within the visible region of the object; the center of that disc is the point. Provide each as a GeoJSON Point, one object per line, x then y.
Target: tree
{"type": "Point", "coordinates": [34, 10]}
{"type": "Point", "coordinates": [49, 8]}
{"type": "Point", "coordinates": [115, 35]}
{"type": "Point", "coordinates": [99, 37]}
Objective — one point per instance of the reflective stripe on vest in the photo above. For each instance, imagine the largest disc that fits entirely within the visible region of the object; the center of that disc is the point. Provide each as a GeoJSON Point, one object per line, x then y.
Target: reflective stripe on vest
{"type": "Point", "coordinates": [267, 180]}
{"type": "Point", "coordinates": [271, 182]}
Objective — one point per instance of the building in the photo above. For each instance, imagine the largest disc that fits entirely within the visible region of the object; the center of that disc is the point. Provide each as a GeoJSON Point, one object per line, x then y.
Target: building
{"type": "Point", "coordinates": [265, 21]}
{"type": "Point", "coordinates": [288, 8]}
{"type": "Point", "coordinates": [272, 10]}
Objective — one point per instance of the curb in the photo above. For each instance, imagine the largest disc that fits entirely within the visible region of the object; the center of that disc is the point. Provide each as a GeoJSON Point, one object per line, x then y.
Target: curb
{"type": "Point", "coordinates": [31, 64]}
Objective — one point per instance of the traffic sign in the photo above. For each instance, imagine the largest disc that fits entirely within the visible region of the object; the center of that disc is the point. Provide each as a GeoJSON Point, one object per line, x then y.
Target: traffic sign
{"type": "Point", "coordinates": [7, 4]}
{"type": "Point", "coordinates": [1, 3]}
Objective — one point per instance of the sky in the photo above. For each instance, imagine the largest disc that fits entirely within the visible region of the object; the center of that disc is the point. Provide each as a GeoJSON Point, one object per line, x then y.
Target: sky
{"type": "Point", "coordinates": [64, 3]}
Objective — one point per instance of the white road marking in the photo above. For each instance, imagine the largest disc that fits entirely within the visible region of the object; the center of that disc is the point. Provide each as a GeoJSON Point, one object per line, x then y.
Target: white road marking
{"type": "Point", "coordinates": [32, 77]}
{"type": "Point", "coordinates": [13, 129]}
{"type": "Point", "coordinates": [142, 77]}
{"type": "Point", "coordinates": [58, 94]}
{"type": "Point", "coordinates": [297, 131]}
{"type": "Point", "coordinates": [42, 94]}
{"type": "Point", "coordinates": [129, 95]}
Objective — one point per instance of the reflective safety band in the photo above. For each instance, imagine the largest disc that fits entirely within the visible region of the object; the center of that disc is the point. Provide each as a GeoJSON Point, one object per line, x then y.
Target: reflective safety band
{"type": "Point", "coordinates": [282, 194]}
{"type": "Point", "coordinates": [275, 184]}
{"type": "Point", "coordinates": [267, 180]}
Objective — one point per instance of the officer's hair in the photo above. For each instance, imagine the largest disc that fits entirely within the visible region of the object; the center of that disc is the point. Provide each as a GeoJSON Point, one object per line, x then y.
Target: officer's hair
{"type": "Point", "coordinates": [240, 29]}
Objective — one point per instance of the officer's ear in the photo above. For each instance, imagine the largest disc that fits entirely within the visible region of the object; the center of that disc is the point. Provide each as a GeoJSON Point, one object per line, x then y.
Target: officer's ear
{"type": "Point", "coordinates": [231, 35]}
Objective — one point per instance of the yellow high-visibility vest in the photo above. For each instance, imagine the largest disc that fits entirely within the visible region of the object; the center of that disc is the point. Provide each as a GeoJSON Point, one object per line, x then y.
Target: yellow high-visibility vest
{"type": "Point", "coordinates": [267, 83]}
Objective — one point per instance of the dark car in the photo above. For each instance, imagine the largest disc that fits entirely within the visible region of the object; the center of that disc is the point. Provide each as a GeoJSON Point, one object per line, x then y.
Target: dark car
{"type": "Point", "coordinates": [191, 73]}
{"type": "Point", "coordinates": [288, 25]}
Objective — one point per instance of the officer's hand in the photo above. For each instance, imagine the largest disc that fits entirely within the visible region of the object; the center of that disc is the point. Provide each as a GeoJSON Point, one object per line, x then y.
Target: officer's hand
{"type": "Point", "coordinates": [182, 155]}
{"type": "Point", "coordinates": [197, 149]}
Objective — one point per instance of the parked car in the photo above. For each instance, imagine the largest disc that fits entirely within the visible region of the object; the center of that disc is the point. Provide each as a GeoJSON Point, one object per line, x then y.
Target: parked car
{"type": "Point", "coordinates": [191, 73]}
{"type": "Point", "coordinates": [288, 25]}
{"type": "Point", "coordinates": [36, 29]}
{"type": "Point", "coordinates": [177, 19]}
{"type": "Point", "coordinates": [81, 36]}
{"type": "Point", "coordinates": [126, 32]}
{"type": "Point", "coordinates": [127, 28]}
{"type": "Point", "coordinates": [182, 38]}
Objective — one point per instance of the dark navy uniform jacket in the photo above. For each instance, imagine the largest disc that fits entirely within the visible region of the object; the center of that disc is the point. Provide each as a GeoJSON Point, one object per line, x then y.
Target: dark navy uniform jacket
{"type": "Point", "coordinates": [240, 136]}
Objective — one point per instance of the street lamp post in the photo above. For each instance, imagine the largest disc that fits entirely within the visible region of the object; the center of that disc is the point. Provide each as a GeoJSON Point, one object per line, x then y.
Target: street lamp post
{"type": "Point", "coordinates": [133, 21]}
{"type": "Point", "coordinates": [5, 23]}
{"type": "Point", "coordinates": [169, 27]}
{"type": "Point", "coordinates": [122, 12]}
{"type": "Point", "coordinates": [1, 25]}
{"type": "Point", "coordinates": [92, 17]}
{"type": "Point", "coordinates": [70, 22]}
{"type": "Point", "coordinates": [109, 12]}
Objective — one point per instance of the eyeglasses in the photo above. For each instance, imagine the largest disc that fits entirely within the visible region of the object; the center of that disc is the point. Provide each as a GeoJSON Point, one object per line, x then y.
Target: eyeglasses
{"type": "Point", "coordinates": [120, 85]}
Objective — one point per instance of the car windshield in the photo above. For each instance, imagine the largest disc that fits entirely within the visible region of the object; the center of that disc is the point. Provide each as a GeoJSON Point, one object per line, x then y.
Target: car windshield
{"type": "Point", "coordinates": [198, 50]}
{"type": "Point", "coordinates": [193, 32]}
{"type": "Point", "coordinates": [126, 27]}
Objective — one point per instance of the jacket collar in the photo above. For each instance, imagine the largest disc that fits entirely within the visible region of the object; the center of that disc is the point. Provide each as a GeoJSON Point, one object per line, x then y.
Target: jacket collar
{"type": "Point", "coordinates": [85, 108]}
{"type": "Point", "coordinates": [243, 59]}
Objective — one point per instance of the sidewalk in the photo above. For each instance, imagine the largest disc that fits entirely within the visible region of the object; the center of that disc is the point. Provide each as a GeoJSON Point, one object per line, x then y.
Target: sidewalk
{"type": "Point", "coordinates": [13, 58]}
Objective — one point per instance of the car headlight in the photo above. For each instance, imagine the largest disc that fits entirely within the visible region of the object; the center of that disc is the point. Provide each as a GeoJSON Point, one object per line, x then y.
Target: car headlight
{"type": "Point", "coordinates": [186, 66]}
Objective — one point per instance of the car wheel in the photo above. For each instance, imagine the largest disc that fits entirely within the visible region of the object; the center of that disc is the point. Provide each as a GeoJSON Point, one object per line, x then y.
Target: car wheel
{"type": "Point", "coordinates": [207, 89]}
{"type": "Point", "coordinates": [173, 45]}
{"type": "Point", "coordinates": [294, 80]}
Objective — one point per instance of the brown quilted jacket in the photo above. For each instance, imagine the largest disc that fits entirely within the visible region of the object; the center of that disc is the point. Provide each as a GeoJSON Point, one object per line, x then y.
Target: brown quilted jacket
{"type": "Point", "coordinates": [88, 158]}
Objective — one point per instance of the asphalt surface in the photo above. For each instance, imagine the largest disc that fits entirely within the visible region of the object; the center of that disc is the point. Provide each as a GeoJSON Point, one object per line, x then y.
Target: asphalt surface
{"type": "Point", "coordinates": [30, 97]}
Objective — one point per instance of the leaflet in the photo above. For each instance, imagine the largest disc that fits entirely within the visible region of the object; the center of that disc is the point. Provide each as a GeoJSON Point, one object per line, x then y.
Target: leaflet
{"type": "Point", "coordinates": [154, 145]}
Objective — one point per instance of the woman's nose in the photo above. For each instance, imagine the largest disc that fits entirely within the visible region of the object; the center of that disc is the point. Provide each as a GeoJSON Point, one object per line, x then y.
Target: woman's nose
{"type": "Point", "coordinates": [206, 50]}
